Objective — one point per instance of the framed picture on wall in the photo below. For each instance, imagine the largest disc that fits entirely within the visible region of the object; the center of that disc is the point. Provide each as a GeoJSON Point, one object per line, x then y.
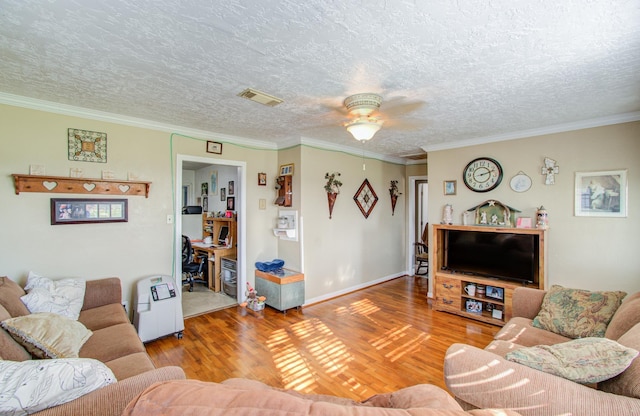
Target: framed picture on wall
{"type": "Point", "coordinates": [262, 179]}
{"type": "Point", "coordinates": [214, 147]}
{"type": "Point", "coordinates": [450, 187]}
{"type": "Point", "coordinates": [83, 211]}
{"type": "Point", "coordinates": [231, 203]}
{"type": "Point", "coordinates": [223, 194]}
{"type": "Point", "coordinates": [601, 194]}
{"type": "Point", "coordinates": [231, 187]}
{"type": "Point", "coordinates": [213, 190]}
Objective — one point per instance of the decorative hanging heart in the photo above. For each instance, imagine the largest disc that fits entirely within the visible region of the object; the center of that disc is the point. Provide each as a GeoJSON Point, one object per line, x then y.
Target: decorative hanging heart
{"type": "Point", "coordinates": [89, 186]}
{"type": "Point", "coordinates": [49, 185]}
{"type": "Point", "coordinates": [124, 188]}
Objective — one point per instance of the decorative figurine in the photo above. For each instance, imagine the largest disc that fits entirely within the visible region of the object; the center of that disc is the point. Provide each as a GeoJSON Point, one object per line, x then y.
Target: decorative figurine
{"type": "Point", "coordinates": [543, 218]}
{"type": "Point", "coordinates": [447, 214]}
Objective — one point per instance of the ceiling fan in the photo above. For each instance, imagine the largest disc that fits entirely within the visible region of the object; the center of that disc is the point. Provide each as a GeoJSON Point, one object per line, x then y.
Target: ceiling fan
{"type": "Point", "coordinates": [366, 119]}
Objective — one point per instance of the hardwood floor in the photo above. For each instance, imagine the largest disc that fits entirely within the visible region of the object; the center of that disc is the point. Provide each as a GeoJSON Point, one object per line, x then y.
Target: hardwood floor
{"type": "Point", "coordinates": [375, 340]}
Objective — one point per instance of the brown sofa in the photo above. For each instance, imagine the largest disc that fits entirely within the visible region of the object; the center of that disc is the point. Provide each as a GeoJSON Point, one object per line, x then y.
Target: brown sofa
{"type": "Point", "coordinates": [246, 397]}
{"type": "Point", "coordinates": [479, 378]}
{"type": "Point", "coordinates": [114, 342]}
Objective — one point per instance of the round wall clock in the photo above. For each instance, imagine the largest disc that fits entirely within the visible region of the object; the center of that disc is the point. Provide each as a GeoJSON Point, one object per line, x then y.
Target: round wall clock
{"type": "Point", "coordinates": [482, 174]}
{"type": "Point", "coordinates": [520, 182]}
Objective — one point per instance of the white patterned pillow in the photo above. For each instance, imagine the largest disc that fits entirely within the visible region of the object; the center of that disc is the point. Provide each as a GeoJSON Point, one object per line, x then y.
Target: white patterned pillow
{"type": "Point", "coordinates": [64, 297]}
{"type": "Point", "coordinates": [33, 385]}
{"type": "Point", "coordinates": [583, 360]}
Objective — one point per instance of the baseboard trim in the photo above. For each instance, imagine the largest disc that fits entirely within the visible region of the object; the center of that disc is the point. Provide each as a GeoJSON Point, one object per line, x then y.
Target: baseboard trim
{"type": "Point", "coordinates": [352, 289]}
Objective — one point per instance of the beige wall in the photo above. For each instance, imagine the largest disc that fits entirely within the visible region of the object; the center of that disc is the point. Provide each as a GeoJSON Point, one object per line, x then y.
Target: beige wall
{"type": "Point", "coordinates": [348, 250]}
{"type": "Point", "coordinates": [584, 252]}
{"type": "Point", "coordinates": [342, 254]}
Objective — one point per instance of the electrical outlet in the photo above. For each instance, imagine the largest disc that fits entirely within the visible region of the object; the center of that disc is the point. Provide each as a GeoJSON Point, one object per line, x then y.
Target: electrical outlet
{"type": "Point", "coordinates": [169, 219]}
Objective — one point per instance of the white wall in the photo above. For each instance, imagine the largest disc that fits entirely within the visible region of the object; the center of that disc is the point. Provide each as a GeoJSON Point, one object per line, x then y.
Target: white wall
{"type": "Point", "coordinates": [584, 252]}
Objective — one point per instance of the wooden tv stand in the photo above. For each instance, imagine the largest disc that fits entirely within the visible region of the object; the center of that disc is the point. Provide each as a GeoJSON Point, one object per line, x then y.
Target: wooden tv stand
{"type": "Point", "coordinates": [449, 287]}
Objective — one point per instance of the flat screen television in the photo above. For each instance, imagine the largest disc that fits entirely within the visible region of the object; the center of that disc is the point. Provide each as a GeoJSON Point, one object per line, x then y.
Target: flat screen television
{"type": "Point", "coordinates": [507, 256]}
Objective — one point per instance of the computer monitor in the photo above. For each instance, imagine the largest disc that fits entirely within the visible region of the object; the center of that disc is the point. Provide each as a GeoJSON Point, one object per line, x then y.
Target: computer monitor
{"type": "Point", "coordinates": [222, 235]}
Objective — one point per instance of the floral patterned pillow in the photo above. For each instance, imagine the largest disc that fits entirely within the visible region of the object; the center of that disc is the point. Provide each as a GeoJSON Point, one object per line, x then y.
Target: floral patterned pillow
{"type": "Point", "coordinates": [585, 360]}
{"type": "Point", "coordinates": [576, 313]}
{"type": "Point", "coordinates": [34, 385]}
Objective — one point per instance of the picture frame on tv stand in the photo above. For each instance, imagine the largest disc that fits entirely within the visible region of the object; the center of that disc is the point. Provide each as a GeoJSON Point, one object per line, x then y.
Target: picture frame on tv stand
{"type": "Point", "coordinates": [495, 293]}
{"type": "Point", "coordinates": [473, 306]}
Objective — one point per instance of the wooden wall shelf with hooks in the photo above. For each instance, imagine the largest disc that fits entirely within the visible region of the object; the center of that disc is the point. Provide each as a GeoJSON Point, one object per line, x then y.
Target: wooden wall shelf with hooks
{"type": "Point", "coordinates": [89, 186]}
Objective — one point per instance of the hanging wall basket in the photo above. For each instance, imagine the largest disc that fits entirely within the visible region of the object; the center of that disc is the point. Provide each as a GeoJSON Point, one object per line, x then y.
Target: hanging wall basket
{"type": "Point", "coordinates": [331, 197]}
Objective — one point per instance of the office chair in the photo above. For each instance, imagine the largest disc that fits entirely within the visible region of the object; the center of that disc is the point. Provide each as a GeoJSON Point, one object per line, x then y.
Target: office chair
{"type": "Point", "coordinates": [422, 258]}
{"type": "Point", "coordinates": [192, 271]}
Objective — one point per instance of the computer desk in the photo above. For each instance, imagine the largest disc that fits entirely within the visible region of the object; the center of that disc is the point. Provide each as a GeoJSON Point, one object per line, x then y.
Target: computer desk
{"type": "Point", "coordinates": [213, 277]}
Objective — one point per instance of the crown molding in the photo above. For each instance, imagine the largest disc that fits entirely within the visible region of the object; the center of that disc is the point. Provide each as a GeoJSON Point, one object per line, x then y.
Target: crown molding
{"type": "Point", "coordinates": [558, 128]}
{"type": "Point", "coordinates": [359, 152]}
{"type": "Point", "coordinates": [68, 110]}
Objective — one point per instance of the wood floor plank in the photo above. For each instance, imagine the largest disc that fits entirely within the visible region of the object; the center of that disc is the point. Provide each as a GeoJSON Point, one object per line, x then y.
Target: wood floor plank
{"type": "Point", "coordinates": [375, 340]}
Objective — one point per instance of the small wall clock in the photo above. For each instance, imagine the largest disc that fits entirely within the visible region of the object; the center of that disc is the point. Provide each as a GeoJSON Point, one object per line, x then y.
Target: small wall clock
{"type": "Point", "coordinates": [482, 174]}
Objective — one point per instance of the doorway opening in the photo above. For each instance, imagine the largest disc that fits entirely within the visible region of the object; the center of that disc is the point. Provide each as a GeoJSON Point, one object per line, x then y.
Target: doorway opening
{"type": "Point", "coordinates": [211, 200]}
{"type": "Point", "coordinates": [418, 221]}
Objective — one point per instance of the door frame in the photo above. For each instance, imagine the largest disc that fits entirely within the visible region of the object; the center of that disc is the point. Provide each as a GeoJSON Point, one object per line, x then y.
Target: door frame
{"type": "Point", "coordinates": [411, 225]}
{"type": "Point", "coordinates": [241, 211]}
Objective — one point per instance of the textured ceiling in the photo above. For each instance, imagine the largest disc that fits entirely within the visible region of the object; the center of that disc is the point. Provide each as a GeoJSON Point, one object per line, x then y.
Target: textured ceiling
{"type": "Point", "coordinates": [480, 69]}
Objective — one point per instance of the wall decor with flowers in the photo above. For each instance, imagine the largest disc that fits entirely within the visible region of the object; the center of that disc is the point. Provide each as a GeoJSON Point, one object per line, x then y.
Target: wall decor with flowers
{"type": "Point", "coordinates": [394, 192]}
{"type": "Point", "coordinates": [332, 187]}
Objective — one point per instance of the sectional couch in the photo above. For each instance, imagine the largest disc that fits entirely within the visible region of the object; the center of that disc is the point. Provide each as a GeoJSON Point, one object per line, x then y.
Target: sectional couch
{"type": "Point", "coordinates": [484, 377]}
{"type": "Point", "coordinates": [113, 341]}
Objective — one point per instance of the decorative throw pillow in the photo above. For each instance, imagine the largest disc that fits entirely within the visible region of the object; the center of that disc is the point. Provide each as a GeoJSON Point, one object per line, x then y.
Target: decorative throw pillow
{"type": "Point", "coordinates": [48, 335]}
{"type": "Point", "coordinates": [576, 313]}
{"type": "Point", "coordinates": [34, 385]}
{"type": "Point", "coordinates": [64, 297]}
{"type": "Point", "coordinates": [584, 360]}
{"type": "Point", "coordinates": [10, 293]}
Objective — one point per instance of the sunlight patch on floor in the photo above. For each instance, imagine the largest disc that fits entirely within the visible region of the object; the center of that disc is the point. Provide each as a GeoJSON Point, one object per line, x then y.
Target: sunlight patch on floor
{"type": "Point", "coordinates": [306, 346]}
{"type": "Point", "coordinates": [412, 341]}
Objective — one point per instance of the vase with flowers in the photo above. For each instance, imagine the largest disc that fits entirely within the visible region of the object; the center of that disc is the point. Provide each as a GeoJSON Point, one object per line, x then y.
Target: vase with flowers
{"type": "Point", "coordinates": [332, 187]}
{"type": "Point", "coordinates": [394, 192]}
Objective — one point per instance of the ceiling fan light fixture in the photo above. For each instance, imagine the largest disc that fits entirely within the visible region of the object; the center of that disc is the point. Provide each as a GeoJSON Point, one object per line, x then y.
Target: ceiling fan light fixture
{"type": "Point", "coordinates": [364, 128]}
{"type": "Point", "coordinates": [362, 104]}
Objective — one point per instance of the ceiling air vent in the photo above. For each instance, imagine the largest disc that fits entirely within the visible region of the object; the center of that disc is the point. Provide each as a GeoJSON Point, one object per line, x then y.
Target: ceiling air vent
{"type": "Point", "coordinates": [260, 97]}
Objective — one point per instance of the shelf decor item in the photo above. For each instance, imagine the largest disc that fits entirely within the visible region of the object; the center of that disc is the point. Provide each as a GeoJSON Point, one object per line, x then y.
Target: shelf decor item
{"type": "Point", "coordinates": [473, 306]}
{"type": "Point", "coordinates": [495, 293]}
{"type": "Point", "coordinates": [394, 192]}
{"type": "Point", "coordinates": [332, 187]}
{"type": "Point", "coordinates": [494, 213]}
